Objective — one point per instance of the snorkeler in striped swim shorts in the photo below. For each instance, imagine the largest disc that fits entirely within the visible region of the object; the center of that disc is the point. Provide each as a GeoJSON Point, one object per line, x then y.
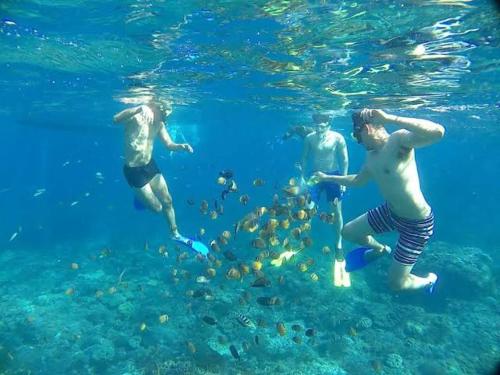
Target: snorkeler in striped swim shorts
{"type": "Point", "coordinates": [390, 162]}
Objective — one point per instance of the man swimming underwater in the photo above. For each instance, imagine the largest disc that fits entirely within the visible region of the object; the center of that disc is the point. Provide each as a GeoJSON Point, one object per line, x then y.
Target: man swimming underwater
{"type": "Point", "coordinates": [142, 125]}
{"type": "Point", "coordinates": [390, 161]}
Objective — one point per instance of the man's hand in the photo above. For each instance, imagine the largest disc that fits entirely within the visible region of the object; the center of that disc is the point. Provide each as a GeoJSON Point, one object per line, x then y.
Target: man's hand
{"type": "Point", "coordinates": [317, 177]}
{"type": "Point", "coordinates": [374, 116]}
{"type": "Point", "coordinates": [187, 147]}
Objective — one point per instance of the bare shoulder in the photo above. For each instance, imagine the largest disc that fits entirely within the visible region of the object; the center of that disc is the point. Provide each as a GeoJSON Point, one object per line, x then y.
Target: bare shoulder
{"type": "Point", "coordinates": [339, 138]}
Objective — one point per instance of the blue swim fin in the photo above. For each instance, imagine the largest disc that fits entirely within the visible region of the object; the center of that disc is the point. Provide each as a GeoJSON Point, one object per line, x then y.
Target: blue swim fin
{"type": "Point", "coordinates": [194, 245]}
{"type": "Point", "coordinates": [355, 259]}
{"type": "Point", "coordinates": [138, 205]}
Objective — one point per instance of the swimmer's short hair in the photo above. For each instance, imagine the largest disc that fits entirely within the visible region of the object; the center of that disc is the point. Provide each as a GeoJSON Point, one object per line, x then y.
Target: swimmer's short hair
{"type": "Point", "coordinates": [320, 118]}
{"type": "Point", "coordinates": [357, 122]}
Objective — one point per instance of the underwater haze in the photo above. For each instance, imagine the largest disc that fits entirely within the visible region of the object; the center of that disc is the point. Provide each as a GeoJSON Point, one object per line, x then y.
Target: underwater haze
{"type": "Point", "coordinates": [89, 284]}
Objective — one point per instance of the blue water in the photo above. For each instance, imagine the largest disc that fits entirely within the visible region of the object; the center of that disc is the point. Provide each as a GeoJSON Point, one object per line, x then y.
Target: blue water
{"type": "Point", "coordinates": [238, 76]}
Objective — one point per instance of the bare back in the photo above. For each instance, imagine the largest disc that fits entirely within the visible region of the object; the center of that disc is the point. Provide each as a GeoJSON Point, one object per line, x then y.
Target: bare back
{"type": "Point", "coordinates": [139, 138]}
{"type": "Point", "coordinates": [323, 150]}
{"type": "Point", "coordinates": [394, 169]}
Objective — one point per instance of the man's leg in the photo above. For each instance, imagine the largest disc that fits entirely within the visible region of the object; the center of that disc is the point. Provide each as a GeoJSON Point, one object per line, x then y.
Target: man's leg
{"type": "Point", "coordinates": [148, 197]}
{"type": "Point", "coordinates": [401, 278]}
{"type": "Point", "coordinates": [360, 231]}
{"type": "Point", "coordinates": [413, 237]}
{"type": "Point", "coordinates": [339, 223]}
{"type": "Point", "coordinates": [160, 189]}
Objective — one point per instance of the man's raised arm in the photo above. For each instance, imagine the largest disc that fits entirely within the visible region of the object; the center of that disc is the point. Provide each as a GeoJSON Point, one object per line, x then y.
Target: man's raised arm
{"type": "Point", "coordinates": [126, 114]}
{"type": "Point", "coordinates": [418, 132]}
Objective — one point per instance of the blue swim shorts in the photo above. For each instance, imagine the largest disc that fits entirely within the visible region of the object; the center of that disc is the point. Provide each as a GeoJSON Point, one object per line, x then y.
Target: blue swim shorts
{"type": "Point", "coordinates": [332, 189]}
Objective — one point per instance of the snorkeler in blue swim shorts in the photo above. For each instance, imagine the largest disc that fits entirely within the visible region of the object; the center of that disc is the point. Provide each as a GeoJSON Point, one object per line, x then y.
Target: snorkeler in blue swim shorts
{"type": "Point", "coordinates": [390, 162]}
{"type": "Point", "coordinates": [328, 152]}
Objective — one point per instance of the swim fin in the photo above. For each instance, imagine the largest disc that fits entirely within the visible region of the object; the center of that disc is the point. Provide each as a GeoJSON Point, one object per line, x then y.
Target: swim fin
{"type": "Point", "coordinates": [340, 276]}
{"type": "Point", "coordinates": [355, 259]}
{"type": "Point", "coordinates": [196, 246]}
{"type": "Point", "coordinates": [337, 273]}
{"type": "Point", "coordinates": [346, 277]}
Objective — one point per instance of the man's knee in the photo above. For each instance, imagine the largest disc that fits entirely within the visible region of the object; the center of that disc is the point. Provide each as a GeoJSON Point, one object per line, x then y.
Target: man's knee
{"type": "Point", "coordinates": [156, 206]}
{"type": "Point", "coordinates": [167, 201]}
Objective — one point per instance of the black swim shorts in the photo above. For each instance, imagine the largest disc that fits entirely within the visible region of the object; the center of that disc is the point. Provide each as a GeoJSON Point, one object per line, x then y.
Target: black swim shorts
{"type": "Point", "coordinates": [139, 176]}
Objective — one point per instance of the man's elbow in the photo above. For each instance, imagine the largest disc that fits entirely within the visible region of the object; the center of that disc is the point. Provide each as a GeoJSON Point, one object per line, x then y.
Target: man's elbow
{"type": "Point", "coordinates": [439, 132]}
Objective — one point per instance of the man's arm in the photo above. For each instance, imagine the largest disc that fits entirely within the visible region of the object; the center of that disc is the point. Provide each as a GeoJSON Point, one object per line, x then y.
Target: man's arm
{"type": "Point", "coordinates": [350, 180]}
{"type": "Point", "coordinates": [171, 145]}
{"type": "Point", "coordinates": [343, 156]}
{"type": "Point", "coordinates": [305, 156]}
{"type": "Point", "coordinates": [126, 114]}
{"type": "Point", "coordinates": [419, 132]}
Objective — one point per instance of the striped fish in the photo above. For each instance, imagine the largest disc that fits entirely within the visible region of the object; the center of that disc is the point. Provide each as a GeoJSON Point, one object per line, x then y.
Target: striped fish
{"type": "Point", "coordinates": [245, 321]}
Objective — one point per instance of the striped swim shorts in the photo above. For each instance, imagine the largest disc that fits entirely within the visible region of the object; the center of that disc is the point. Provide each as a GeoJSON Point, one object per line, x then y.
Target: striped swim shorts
{"type": "Point", "coordinates": [413, 234]}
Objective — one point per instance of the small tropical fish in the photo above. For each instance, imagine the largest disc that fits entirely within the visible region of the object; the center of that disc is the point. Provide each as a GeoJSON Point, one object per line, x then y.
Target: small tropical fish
{"type": "Point", "coordinates": [13, 237]}
{"type": "Point", "coordinates": [257, 265]}
{"type": "Point", "coordinates": [268, 301]}
{"type": "Point", "coordinates": [244, 268]}
{"type": "Point", "coordinates": [209, 320]}
{"type": "Point", "coordinates": [229, 255]}
{"type": "Point", "coordinates": [39, 192]}
{"type": "Point", "coordinates": [261, 282]}
{"type": "Point", "coordinates": [190, 347]}
{"type": "Point", "coordinates": [163, 318]}
{"type": "Point", "coordinates": [226, 173]}
{"type": "Point", "coordinates": [232, 187]}
{"type": "Point", "coordinates": [211, 272]}
{"type": "Point", "coordinates": [233, 274]}
{"type": "Point", "coordinates": [74, 203]}
{"type": "Point", "coordinates": [310, 332]}
{"type": "Point", "coordinates": [202, 280]}
{"type": "Point", "coordinates": [280, 327]}
{"type": "Point", "coordinates": [245, 321]}
{"type": "Point", "coordinates": [258, 182]}
{"type": "Point", "coordinates": [244, 199]}
{"type": "Point", "coordinates": [234, 352]}
{"type": "Point", "coordinates": [258, 243]}
{"type": "Point", "coordinates": [297, 327]}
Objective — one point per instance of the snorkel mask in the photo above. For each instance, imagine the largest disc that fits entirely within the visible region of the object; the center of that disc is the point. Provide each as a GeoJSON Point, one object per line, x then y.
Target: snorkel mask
{"type": "Point", "coordinates": [322, 122]}
{"type": "Point", "coordinates": [358, 125]}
